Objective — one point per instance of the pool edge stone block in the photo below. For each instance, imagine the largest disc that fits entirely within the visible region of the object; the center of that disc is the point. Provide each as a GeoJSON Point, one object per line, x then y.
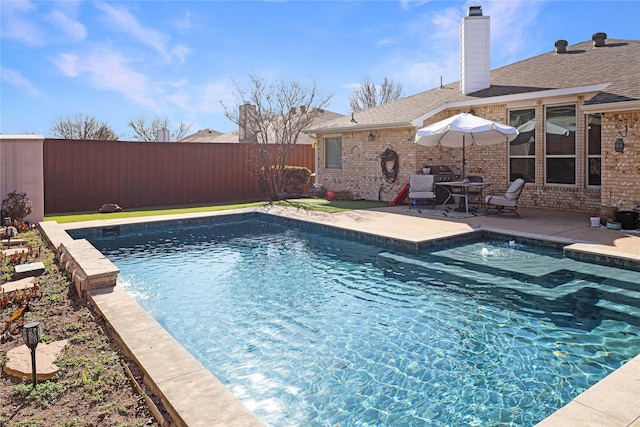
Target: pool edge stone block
{"type": "Point", "coordinates": [86, 266]}
{"type": "Point", "coordinates": [54, 234]}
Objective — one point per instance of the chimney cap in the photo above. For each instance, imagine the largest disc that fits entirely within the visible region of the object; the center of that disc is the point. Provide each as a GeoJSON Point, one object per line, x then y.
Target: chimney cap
{"type": "Point", "coordinates": [561, 46]}
{"type": "Point", "coordinates": [598, 39]}
{"type": "Point", "coordinates": [474, 11]}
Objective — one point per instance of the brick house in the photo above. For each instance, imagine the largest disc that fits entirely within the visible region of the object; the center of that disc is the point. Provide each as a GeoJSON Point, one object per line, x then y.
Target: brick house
{"type": "Point", "coordinates": [577, 108]}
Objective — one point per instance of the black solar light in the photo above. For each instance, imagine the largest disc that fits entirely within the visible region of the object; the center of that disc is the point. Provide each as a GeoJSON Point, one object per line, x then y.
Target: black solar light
{"type": "Point", "coordinates": [31, 334]}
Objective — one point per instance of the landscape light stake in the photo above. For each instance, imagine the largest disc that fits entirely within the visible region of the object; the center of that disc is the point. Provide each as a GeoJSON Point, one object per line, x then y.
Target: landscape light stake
{"type": "Point", "coordinates": [31, 334]}
{"type": "Point", "coordinates": [7, 224]}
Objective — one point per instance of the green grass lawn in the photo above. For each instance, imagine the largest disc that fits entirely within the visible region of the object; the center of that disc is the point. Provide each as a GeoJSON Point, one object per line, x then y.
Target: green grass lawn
{"type": "Point", "coordinates": [321, 205]}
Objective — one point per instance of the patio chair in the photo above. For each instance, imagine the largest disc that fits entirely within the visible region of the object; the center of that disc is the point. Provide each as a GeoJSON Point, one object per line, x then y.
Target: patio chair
{"type": "Point", "coordinates": [421, 189]}
{"type": "Point", "coordinates": [508, 202]}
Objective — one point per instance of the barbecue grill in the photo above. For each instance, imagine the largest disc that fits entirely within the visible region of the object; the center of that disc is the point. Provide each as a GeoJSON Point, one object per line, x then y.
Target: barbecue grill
{"type": "Point", "coordinates": [441, 173]}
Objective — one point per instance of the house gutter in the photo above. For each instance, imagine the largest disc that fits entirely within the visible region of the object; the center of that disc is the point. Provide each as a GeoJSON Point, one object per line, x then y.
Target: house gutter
{"type": "Point", "coordinates": [591, 90]}
{"type": "Point", "coordinates": [612, 107]}
{"type": "Point", "coordinates": [359, 127]}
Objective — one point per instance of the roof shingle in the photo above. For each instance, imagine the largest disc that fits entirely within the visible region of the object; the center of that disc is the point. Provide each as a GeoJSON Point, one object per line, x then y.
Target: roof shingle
{"type": "Point", "coordinates": [616, 64]}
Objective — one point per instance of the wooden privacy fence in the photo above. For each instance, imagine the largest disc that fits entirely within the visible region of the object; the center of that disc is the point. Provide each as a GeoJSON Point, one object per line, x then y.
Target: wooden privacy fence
{"type": "Point", "coordinates": [83, 175]}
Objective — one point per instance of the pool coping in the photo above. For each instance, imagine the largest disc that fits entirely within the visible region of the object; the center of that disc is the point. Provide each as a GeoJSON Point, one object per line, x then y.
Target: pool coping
{"type": "Point", "coordinates": [194, 397]}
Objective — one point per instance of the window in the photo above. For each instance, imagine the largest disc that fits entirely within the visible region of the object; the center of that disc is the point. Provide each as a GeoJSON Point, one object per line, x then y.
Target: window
{"type": "Point", "coordinates": [560, 140]}
{"type": "Point", "coordinates": [594, 144]}
{"type": "Point", "coordinates": [522, 150]}
{"type": "Point", "coordinates": [333, 152]}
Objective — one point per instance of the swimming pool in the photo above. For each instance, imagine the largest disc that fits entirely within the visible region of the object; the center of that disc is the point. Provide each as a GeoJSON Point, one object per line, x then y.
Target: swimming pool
{"type": "Point", "coordinates": [368, 336]}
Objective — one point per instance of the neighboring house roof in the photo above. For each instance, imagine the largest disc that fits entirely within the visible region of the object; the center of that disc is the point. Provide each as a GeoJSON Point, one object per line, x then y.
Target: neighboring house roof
{"type": "Point", "coordinates": [210, 136]}
{"type": "Point", "coordinates": [609, 74]}
{"type": "Point", "coordinates": [204, 135]}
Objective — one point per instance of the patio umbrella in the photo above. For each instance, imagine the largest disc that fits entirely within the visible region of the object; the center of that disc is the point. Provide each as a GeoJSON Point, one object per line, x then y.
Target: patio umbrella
{"type": "Point", "coordinates": [550, 127]}
{"type": "Point", "coordinates": [462, 130]}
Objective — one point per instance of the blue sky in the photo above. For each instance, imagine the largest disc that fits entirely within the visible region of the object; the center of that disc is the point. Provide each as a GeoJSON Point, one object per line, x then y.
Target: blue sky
{"type": "Point", "coordinates": [177, 59]}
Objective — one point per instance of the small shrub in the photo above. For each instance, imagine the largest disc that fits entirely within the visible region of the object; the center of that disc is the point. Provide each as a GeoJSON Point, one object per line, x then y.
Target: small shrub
{"type": "Point", "coordinates": [45, 393]}
{"type": "Point", "coordinates": [296, 175]}
{"type": "Point", "coordinates": [30, 423]}
{"type": "Point", "coordinates": [82, 338]}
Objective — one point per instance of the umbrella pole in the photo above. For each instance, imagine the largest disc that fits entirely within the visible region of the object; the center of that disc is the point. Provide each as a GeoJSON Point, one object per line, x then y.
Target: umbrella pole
{"type": "Point", "coordinates": [463, 158]}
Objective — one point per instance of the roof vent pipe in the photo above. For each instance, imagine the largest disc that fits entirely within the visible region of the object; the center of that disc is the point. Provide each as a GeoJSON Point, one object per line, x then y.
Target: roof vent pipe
{"type": "Point", "coordinates": [598, 39]}
{"type": "Point", "coordinates": [561, 46]}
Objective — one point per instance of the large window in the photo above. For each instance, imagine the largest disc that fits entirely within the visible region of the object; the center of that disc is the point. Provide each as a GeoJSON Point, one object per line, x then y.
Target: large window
{"type": "Point", "coordinates": [594, 140]}
{"type": "Point", "coordinates": [560, 143]}
{"type": "Point", "coordinates": [333, 152]}
{"type": "Point", "coordinates": [522, 150]}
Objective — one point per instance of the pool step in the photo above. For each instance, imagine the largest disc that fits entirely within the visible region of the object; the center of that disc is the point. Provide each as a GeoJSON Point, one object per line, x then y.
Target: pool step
{"type": "Point", "coordinates": [556, 292]}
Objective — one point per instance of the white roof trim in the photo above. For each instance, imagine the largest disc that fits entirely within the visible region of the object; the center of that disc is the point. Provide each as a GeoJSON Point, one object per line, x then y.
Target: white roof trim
{"type": "Point", "coordinates": [418, 121]}
{"type": "Point", "coordinates": [359, 127]}
{"type": "Point", "coordinates": [611, 107]}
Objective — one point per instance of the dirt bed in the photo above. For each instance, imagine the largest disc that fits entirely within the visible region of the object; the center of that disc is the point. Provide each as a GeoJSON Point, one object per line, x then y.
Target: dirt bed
{"type": "Point", "coordinates": [93, 386]}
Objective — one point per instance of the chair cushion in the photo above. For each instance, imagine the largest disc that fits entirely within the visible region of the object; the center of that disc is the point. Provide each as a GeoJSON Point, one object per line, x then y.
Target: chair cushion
{"type": "Point", "coordinates": [422, 195]}
{"type": "Point", "coordinates": [511, 193]}
{"type": "Point", "coordinates": [500, 201]}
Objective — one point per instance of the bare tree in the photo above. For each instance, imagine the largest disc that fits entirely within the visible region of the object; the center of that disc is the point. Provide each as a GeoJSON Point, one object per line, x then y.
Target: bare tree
{"type": "Point", "coordinates": [272, 115]}
{"type": "Point", "coordinates": [145, 131]}
{"type": "Point", "coordinates": [82, 126]}
{"type": "Point", "coordinates": [368, 95]}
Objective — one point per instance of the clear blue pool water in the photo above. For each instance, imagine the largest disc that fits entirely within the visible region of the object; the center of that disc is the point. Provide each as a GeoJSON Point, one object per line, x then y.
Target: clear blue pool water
{"type": "Point", "coordinates": [312, 330]}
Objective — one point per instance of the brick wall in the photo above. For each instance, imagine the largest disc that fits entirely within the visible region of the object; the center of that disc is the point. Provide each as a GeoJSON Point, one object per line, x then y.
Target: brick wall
{"type": "Point", "coordinates": [621, 171]}
{"type": "Point", "coordinates": [361, 171]}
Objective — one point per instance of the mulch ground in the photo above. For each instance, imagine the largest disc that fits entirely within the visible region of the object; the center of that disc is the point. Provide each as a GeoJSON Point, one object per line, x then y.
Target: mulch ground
{"type": "Point", "coordinates": [94, 386]}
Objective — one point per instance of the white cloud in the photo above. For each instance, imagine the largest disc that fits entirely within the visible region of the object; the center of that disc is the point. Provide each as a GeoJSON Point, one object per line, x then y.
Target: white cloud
{"type": "Point", "coordinates": [407, 4]}
{"type": "Point", "coordinates": [68, 64]}
{"type": "Point", "coordinates": [386, 41]}
{"type": "Point", "coordinates": [184, 23]}
{"type": "Point", "coordinates": [511, 25]}
{"type": "Point", "coordinates": [125, 22]}
{"type": "Point", "coordinates": [431, 49]}
{"type": "Point", "coordinates": [76, 30]}
{"type": "Point", "coordinates": [180, 83]}
{"type": "Point", "coordinates": [427, 74]}
{"type": "Point", "coordinates": [208, 98]}
{"type": "Point", "coordinates": [179, 98]}
{"type": "Point", "coordinates": [17, 22]}
{"type": "Point", "coordinates": [181, 52]}
{"type": "Point", "coordinates": [110, 71]}
{"type": "Point", "coordinates": [14, 78]}
{"type": "Point", "coordinates": [435, 40]}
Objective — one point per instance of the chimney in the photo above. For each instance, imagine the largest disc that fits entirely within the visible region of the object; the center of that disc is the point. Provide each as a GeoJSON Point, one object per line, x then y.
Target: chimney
{"type": "Point", "coordinates": [474, 51]}
{"type": "Point", "coordinates": [246, 120]}
{"type": "Point", "coordinates": [561, 46]}
{"type": "Point", "coordinates": [163, 135]}
{"type": "Point", "coordinates": [598, 39]}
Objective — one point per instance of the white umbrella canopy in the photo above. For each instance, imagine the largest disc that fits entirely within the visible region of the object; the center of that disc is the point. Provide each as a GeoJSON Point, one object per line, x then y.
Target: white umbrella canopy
{"type": "Point", "coordinates": [550, 127]}
{"type": "Point", "coordinates": [462, 130]}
